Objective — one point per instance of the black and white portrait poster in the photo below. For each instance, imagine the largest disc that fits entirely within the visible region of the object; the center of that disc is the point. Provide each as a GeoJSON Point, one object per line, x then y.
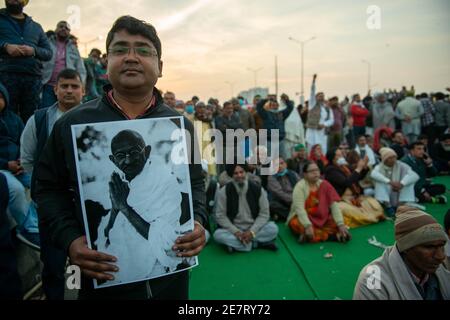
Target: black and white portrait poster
{"type": "Point", "coordinates": [135, 194]}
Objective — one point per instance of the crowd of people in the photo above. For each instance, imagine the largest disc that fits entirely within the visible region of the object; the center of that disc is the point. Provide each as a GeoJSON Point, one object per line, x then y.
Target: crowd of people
{"type": "Point", "coordinates": [341, 163]}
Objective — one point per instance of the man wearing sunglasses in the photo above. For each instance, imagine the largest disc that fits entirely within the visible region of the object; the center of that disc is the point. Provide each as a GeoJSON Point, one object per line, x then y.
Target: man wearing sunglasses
{"type": "Point", "coordinates": [134, 66]}
{"type": "Point", "coordinates": [64, 55]}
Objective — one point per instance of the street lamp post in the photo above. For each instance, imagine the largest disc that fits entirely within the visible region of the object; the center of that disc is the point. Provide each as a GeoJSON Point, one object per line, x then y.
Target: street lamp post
{"type": "Point", "coordinates": [302, 46]}
{"type": "Point", "coordinates": [369, 67]}
{"type": "Point", "coordinates": [255, 73]}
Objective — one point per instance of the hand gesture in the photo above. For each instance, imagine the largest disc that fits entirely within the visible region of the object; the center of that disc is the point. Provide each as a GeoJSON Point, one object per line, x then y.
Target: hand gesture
{"type": "Point", "coordinates": [118, 192]}
{"type": "Point", "coordinates": [14, 50]}
{"type": "Point", "coordinates": [27, 50]}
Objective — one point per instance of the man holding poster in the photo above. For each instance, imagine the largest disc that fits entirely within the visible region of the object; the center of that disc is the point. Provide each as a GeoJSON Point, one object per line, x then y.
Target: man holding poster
{"type": "Point", "coordinates": [134, 66]}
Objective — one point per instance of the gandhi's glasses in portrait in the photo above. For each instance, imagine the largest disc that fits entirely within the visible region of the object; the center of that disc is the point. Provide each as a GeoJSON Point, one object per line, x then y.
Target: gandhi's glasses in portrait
{"type": "Point", "coordinates": [132, 155]}
{"type": "Point", "coordinates": [120, 51]}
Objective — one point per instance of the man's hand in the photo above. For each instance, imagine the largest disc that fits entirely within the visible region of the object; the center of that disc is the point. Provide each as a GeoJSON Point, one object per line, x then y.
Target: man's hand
{"type": "Point", "coordinates": [118, 192]}
{"type": "Point", "coordinates": [428, 161]}
{"type": "Point", "coordinates": [427, 196]}
{"type": "Point", "coordinates": [314, 77]}
{"type": "Point", "coordinates": [238, 235]}
{"type": "Point", "coordinates": [396, 186]}
{"type": "Point", "coordinates": [14, 50]}
{"type": "Point", "coordinates": [284, 97]}
{"type": "Point", "coordinates": [350, 122]}
{"type": "Point", "coordinates": [309, 232]}
{"type": "Point", "coordinates": [27, 50]}
{"type": "Point", "coordinates": [247, 237]}
{"type": "Point", "coordinates": [407, 119]}
{"type": "Point", "coordinates": [343, 235]}
{"type": "Point", "coordinates": [320, 126]}
{"type": "Point", "coordinates": [93, 264]}
{"type": "Point", "coordinates": [191, 243]}
{"type": "Point", "coordinates": [15, 167]}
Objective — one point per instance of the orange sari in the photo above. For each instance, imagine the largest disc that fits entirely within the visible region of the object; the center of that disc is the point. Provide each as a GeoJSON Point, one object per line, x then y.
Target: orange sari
{"type": "Point", "coordinates": [321, 233]}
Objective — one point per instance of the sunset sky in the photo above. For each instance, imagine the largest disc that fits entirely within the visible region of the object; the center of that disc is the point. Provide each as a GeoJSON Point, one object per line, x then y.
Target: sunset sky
{"type": "Point", "coordinates": [207, 43]}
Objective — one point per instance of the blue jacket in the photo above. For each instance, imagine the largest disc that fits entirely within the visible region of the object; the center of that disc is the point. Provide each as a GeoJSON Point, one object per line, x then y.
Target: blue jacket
{"type": "Point", "coordinates": [32, 35]}
{"type": "Point", "coordinates": [11, 127]}
{"type": "Point", "coordinates": [274, 120]}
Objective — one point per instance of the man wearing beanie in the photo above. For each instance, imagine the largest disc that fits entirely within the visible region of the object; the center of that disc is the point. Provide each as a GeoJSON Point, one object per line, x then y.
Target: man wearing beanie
{"type": "Point", "coordinates": [242, 214]}
{"type": "Point", "coordinates": [23, 48]}
{"type": "Point", "coordinates": [412, 269]}
{"type": "Point", "coordinates": [394, 181]}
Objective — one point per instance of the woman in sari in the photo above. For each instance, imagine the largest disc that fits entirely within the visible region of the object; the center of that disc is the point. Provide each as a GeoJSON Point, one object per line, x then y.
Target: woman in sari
{"type": "Point", "coordinates": [318, 157]}
{"type": "Point", "coordinates": [315, 215]}
{"type": "Point", "coordinates": [356, 208]}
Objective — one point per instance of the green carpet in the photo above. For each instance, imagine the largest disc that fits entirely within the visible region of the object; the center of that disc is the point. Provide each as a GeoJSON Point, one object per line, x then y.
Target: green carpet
{"type": "Point", "coordinates": [295, 271]}
{"type": "Point", "coordinates": [259, 275]}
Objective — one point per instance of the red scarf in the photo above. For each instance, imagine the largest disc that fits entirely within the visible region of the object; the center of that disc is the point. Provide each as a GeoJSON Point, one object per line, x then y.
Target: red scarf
{"type": "Point", "coordinates": [313, 157]}
{"type": "Point", "coordinates": [326, 196]}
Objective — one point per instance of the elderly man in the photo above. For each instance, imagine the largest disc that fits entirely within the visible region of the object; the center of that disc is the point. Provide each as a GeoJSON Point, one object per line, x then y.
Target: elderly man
{"type": "Point", "coordinates": [138, 202]}
{"type": "Point", "coordinates": [383, 114]}
{"type": "Point", "coordinates": [64, 55]}
{"type": "Point", "coordinates": [394, 181]}
{"type": "Point", "coordinates": [320, 118]}
{"type": "Point", "coordinates": [134, 66]}
{"type": "Point", "coordinates": [412, 268]}
{"type": "Point", "coordinates": [281, 185]}
{"type": "Point", "coordinates": [23, 48]}
{"type": "Point", "coordinates": [298, 160]}
{"type": "Point", "coordinates": [409, 111]}
{"type": "Point", "coordinates": [243, 214]}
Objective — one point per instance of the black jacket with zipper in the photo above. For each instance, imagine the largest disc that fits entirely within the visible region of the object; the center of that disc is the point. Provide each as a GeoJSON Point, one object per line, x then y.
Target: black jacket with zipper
{"type": "Point", "coordinates": [58, 197]}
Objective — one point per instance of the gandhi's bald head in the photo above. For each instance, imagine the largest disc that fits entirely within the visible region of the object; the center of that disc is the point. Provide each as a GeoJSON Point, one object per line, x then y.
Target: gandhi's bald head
{"type": "Point", "coordinates": [129, 153]}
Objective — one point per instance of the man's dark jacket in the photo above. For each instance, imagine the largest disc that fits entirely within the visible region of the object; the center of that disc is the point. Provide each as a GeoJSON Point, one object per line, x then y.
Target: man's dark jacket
{"type": "Point", "coordinates": [31, 35]}
{"type": "Point", "coordinates": [57, 193]}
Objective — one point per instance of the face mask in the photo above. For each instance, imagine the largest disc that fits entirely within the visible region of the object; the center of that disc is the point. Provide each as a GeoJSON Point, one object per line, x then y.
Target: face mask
{"type": "Point", "coordinates": [190, 109]}
{"type": "Point", "coordinates": [341, 161]}
{"type": "Point", "coordinates": [241, 102]}
{"type": "Point", "coordinates": [282, 173]}
{"type": "Point", "coordinates": [446, 148]}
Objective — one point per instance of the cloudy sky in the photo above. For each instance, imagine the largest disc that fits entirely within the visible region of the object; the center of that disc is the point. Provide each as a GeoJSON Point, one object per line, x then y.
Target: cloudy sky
{"type": "Point", "coordinates": [209, 44]}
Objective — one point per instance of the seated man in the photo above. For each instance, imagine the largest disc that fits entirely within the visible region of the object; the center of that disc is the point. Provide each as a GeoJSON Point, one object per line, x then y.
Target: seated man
{"type": "Point", "coordinates": [315, 215]}
{"type": "Point", "coordinates": [399, 144]}
{"type": "Point", "coordinates": [394, 181]}
{"type": "Point", "coordinates": [25, 215]}
{"type": "Point", "coordinates": [363, 149]}
{"type": "Point", "coordinates": [242, 214]}
{"type": "Point", "coordinates": [10, 285]}
{"type": "Point", "coordinates": [298, 160]}
{"type": "Point", "coordinates": [422, 164]}
{"type": "Point", "coordinates": [280, 187]}
{"type": "Point", "coordinates": [441, 154]}
{"type": "Point", "coordinates": [412, 268]}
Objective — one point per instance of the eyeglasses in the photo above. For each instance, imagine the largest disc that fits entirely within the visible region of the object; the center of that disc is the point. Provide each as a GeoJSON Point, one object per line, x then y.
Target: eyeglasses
{"type": "Point", "coordinates": [120, 51]}
{"type": "Point", "coordinates": [133, 154]}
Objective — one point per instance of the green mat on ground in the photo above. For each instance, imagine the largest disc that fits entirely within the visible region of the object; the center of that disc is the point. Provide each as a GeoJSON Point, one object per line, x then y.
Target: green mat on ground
{"type": "Point", "coordinates": [258, 275]}
{"type": "Point", "coordinates": [295, 271]}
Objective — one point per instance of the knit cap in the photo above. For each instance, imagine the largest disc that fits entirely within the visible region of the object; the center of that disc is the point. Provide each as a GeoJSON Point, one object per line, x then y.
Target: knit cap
{"type": "Point", "coordinates": [386, 153]}
{"type": "Point", "coordinates": [414, 227]}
